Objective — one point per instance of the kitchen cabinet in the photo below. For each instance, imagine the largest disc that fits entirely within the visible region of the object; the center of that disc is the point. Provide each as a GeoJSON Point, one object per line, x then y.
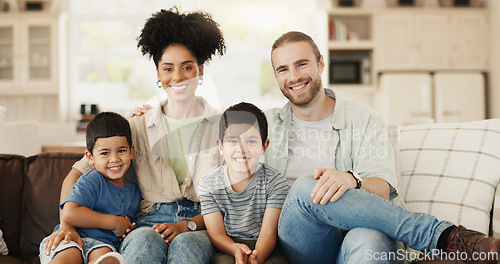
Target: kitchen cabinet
{"type": "Point", "coordinates": [470, 41]}
{"type": "Point", "coordinates": [32, 53]}
{"type": "Point", "coordinates": [445, 96]}
{"type": "Point", "coordinates": [412, 41]}
{"type": "Point", "coordinates": [459, 97]}
{"type": "Point", "coordinates": [432, 40]}
{"type": "Point", "coordinates": [405, 98]}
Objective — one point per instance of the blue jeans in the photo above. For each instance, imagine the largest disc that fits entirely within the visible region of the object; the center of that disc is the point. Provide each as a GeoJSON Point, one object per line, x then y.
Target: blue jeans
{"type": "Point", "coordinates": [312, 233]}
{"type": "Point", "coordinates": [145, 245]}
{"type": "Point", "coordinates": [89, 244]}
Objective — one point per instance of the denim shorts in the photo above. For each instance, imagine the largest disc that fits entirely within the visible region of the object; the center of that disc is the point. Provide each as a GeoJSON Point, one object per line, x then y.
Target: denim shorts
{"type": "Point", "coordinates": [89, 244]}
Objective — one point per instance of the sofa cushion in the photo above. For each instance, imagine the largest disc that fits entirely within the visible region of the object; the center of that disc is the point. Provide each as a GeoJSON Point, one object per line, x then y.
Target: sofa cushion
{"type": "Point", "coordinates": [10, 260]}
{"type": "Point", "coordinates": [451, 170]}
{"type": "Point", "coordinates": [12, 175]}
{"type": "Point", "coordinates": [46, 172]}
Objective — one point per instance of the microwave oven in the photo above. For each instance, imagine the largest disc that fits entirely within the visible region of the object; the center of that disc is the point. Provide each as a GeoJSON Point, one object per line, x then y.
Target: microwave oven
{"type": "Point", "coordinates": [350, 70]}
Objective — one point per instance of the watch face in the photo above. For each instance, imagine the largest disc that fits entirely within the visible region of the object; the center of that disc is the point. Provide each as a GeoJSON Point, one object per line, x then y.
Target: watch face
{"type": "Point", "coordinates": [191, 225]}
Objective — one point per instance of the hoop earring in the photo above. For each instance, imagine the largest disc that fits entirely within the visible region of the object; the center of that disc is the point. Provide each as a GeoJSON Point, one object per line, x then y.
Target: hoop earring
{"type": "Point", "coordinates": [158, 83]}
{"type": "Point", "coordinates": [200, 81]}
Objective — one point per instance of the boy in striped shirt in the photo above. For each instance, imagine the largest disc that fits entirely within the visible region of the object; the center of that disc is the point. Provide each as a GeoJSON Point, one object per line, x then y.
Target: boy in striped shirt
{"type": "Point", "coordinates": [241, 201]}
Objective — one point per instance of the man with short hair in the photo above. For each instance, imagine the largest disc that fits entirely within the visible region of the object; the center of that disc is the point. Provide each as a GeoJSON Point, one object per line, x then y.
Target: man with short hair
{"type": "Point", "coordinates": [342, 203]}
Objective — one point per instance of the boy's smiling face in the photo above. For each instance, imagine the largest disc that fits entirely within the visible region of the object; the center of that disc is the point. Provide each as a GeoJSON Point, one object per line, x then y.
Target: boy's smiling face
{"type": "Point", "coordinates": [111, 157]}
{"type": "Point", "coordinates": [242, 148]}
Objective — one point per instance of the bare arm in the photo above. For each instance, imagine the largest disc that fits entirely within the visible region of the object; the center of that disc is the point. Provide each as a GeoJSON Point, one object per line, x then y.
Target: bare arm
{"type": "Point", "coordinates": [268, 234]}
{"type": "Point", "coordinates": [67, 185]}
{"type": "Point", "coordinates": [221, 241]}
{"type": "Point", "coordinates": [83, 217]}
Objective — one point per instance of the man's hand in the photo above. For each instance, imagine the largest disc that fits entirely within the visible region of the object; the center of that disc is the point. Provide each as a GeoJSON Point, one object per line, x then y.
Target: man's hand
{"type": "Point", "coordinates": [65, 232]}
{"type": "Point", "coordinates": [332, 184]}
{"type": "Point", "coordinates": [139, 111]}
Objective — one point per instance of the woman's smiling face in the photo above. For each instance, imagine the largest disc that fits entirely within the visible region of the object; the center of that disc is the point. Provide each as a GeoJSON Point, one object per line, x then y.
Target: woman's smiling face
{"type": "Point", "coordinates": [179, 73]}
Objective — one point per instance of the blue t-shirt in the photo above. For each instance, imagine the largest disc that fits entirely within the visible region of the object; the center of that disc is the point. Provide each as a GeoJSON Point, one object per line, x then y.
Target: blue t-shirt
{"type": "Point", "coordinates": [95, 192]}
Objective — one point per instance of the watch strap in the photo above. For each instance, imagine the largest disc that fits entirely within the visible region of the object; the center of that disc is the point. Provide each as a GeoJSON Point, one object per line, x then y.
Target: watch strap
{"type": "Point", "coordinates": [359, 182]}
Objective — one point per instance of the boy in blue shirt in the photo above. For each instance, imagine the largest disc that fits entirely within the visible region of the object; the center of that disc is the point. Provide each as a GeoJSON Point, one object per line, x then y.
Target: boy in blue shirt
{"type": "Point", "coordinates": [102, 204]}
{"type": "Point", "coordinates": [241, 201]}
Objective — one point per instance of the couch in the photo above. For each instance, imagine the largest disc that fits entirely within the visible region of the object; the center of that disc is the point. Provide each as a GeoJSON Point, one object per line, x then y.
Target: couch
{"type": "Point", "coordinates": [449, 170]}
{"type": "Point", "coordinates": [29, 195]}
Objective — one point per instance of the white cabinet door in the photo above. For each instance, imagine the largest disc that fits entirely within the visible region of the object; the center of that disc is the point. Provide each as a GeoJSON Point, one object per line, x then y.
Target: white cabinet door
{"type": "Point", "coordinates": [405, 98]}
{"type": "Point", "coordinates": [409, 41]}
{"type": "Point", "coordinates": [9, 53]}
{"type": "Point", "coordinates": [470, 41]}
{"type": "Point", "coordinates": [459, 97]}
{"type": "Point", "coordinates": [41, 55]}
{"type": "Point", "coordinates": [431, 38]}
{"type": "Point", "coordinates": [29, 54]}
{"type": "Point", "coordinates": [394, 41]}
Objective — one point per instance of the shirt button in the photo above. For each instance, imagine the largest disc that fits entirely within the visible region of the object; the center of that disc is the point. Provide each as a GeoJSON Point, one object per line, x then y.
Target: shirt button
{"type": "Point", "coordinates": [190, 158]}
{"type": "Point", "coordinates": [284, 157]}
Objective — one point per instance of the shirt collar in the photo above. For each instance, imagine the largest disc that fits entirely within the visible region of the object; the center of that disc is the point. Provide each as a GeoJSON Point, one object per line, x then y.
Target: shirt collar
{"type": "Point", "coordinates": [338, 121]}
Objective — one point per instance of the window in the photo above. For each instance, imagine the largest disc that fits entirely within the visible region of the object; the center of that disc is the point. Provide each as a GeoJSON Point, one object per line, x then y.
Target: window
{"type": "Point", "coordinates": [107, 69]}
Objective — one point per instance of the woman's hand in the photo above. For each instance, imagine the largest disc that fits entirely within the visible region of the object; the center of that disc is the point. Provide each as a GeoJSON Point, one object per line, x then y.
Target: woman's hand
{"type": "Point", "coordinates": [139, 111]}
{"type": "Point", "coordinates": [65, 232]}
{"type": "Point", "coordinates": [170, 231]}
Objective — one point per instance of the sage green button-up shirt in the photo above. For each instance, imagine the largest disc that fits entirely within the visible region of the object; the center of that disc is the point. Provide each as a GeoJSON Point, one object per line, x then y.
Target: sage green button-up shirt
{"type": "Point", "coordinates": [360, 141]}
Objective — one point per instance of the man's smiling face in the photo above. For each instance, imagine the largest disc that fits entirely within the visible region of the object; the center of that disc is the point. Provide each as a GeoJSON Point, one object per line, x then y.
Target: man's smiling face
{"type": "Point", "coordinates": [297, 71]}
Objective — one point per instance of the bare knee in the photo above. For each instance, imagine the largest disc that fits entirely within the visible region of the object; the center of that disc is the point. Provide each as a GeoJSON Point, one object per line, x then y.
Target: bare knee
{"type": "Point", "coordinates": [69, 256]}
{"type": "Point", "coordinates": [96, 253]}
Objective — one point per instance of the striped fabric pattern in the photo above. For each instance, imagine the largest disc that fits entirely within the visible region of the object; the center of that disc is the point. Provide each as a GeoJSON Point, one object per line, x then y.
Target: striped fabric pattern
{"type": "Point", "coordinates": [242, 212]}
{"type": "Point", "coordinates": [452, 170]}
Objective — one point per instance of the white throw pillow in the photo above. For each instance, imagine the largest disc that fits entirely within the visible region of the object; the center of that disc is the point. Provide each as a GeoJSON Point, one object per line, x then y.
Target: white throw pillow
{"type": "Point", "coordinates": [451, 170]}
{"type": "Point", "coordinates": [3, 246]}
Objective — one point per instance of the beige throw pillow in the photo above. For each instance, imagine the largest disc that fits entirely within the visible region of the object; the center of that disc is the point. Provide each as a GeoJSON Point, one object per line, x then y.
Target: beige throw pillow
{"type": "Point", "coordinates": [451, 170]}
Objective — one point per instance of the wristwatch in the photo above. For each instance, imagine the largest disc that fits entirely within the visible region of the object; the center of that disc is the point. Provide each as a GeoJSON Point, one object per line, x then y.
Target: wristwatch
{"type": "Point", "coordinates": [191, 224]}
{"type": "Point", "coordinates": [359, 182]}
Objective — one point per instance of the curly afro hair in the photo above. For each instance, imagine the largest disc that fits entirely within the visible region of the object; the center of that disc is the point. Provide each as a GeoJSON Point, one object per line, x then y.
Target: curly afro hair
{"type": "Point", "coordinates": [197, 31]}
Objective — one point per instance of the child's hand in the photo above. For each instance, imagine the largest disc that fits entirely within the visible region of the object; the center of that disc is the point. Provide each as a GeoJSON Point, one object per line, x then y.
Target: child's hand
{"type": "Point", "coordinates": [241, 253]}
{"type": "Point", "coordinates": [252, 259]}
{"type": "Point", "coordinates": [132, 227]}
{"type": "Point", "coordinates": [122, 224]}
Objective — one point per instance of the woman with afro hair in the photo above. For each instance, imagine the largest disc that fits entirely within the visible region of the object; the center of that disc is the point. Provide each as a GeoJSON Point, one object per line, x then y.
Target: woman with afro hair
{"type": "Point", "coordinates": [175, 145]}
